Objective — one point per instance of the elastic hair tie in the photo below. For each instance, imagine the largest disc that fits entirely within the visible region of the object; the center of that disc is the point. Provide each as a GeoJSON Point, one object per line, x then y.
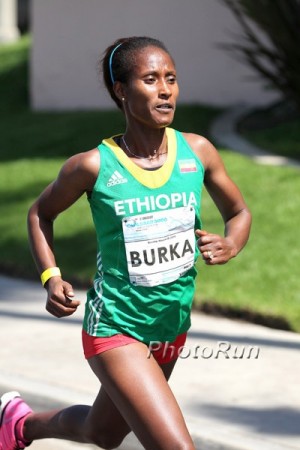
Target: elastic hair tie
{"type": "Point", "coordinates": [110, 62]}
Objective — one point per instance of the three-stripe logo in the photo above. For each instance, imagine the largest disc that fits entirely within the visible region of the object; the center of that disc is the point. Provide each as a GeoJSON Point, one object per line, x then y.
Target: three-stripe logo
{"type": "Point", "coordinates": [116, 178]}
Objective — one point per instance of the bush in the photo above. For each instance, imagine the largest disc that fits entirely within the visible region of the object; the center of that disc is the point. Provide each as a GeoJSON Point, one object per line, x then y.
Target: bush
{"type": "Point", "coordinates": [270, 42]}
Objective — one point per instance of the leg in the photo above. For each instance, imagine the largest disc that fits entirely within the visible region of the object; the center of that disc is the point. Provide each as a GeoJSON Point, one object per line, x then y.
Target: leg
{"type": "Point", "coordinates": [84, 423]}
{"type": "Point", "coordinates": [101, 424]}
{"type": "Point", "coordinates": [138, 387]}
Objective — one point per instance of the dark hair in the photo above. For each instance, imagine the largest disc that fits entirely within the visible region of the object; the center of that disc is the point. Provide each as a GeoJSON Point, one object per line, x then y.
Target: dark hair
{"type": "Point", "coordinates": [119, 59]}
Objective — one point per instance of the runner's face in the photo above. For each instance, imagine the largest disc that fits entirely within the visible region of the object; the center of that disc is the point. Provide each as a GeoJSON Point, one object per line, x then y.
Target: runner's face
{"type": "Point", "coordinates": [152, 90]}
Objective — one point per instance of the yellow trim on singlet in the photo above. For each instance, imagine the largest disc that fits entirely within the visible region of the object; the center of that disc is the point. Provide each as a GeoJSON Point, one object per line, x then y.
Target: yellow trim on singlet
{"type": "Point", "coordinates": [149, 178]}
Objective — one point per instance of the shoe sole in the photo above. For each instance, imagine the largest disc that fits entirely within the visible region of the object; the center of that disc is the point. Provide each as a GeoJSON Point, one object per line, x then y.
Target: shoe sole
{"type": "Point", "coordinates": [5, 399]}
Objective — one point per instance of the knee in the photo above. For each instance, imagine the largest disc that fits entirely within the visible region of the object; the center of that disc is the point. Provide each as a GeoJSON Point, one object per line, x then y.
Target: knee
{"type": "Point", "coordinates": [185, 446]}
{"type": "Point", "coordinates": [104, 439]}
{"type": "Point", "coordinates": [181, 443]}
{"type": "Point", "coordinates": [108, 442]}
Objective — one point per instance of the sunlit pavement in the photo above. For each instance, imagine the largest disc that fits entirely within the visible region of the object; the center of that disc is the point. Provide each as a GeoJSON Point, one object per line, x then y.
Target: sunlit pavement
{"type": "Point", "coordinates": [237, 383]}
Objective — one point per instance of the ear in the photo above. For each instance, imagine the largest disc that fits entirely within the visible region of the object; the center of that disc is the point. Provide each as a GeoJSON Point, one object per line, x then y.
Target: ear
{"type": "Point", "coordinates": [119, 90]}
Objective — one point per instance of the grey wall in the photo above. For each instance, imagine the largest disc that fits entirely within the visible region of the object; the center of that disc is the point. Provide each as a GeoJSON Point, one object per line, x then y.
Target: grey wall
{"type": "Point", "coordinates": [70, 35]}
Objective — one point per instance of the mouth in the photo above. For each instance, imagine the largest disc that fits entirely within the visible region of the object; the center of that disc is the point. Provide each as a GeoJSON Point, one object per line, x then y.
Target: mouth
{"type": "Point", "coordinates": [165, 107]}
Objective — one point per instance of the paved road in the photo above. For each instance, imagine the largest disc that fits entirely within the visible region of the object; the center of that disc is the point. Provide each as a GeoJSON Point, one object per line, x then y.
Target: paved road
{"type": "Point", "coordinates": [232, 397]}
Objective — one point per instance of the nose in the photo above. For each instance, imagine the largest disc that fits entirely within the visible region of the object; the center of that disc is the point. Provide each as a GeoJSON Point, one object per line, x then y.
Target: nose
{"type": "Point", "coordinates": [164, 89]}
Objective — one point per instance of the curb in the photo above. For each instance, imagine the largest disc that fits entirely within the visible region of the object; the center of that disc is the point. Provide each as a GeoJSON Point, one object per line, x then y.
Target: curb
{"type": "Point", "coordinates": [223, 132]}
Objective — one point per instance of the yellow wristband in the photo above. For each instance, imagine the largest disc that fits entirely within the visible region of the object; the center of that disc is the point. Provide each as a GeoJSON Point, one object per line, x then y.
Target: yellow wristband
{"type": "Point", "coordinates": [49, 273]}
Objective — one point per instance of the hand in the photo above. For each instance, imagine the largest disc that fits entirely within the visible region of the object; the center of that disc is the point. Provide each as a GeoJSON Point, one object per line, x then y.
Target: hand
{"type": "Point", "coordinates": [215, 249]}
{"type": "Point", "coordinates": [60, 302]}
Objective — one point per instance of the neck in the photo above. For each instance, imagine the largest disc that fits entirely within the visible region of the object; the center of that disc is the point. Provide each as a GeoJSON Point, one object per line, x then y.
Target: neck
{"type": "Point", "coordinates": [150, 145]}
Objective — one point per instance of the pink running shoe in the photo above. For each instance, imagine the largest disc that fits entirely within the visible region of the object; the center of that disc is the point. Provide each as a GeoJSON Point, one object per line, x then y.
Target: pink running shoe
{"type": "Point", "coordinates": [12, 410]}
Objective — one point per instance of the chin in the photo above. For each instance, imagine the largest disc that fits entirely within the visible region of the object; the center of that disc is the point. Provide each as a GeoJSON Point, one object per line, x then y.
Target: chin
{"type": "Point", "coordinates": [165, 122]}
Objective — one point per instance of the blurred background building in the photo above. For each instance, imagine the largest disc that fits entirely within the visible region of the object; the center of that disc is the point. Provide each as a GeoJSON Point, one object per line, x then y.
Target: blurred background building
{"type": "Point", "coordinates": [69, 37]}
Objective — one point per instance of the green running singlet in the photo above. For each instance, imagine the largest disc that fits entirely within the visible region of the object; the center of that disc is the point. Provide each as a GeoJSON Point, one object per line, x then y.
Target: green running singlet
{"type": "Point", "coordinates": [145, 224]}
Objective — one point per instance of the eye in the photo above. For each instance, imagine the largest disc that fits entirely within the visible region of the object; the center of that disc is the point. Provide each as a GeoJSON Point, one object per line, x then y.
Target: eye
{"type": "Point", "coordinates": [171, 79]}
{"type": "Point", "coordinates": [150, 79]}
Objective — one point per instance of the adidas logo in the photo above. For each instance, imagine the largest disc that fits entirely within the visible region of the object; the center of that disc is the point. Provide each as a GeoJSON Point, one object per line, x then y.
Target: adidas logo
{"type": "Point", "coordinates": [116, 178]}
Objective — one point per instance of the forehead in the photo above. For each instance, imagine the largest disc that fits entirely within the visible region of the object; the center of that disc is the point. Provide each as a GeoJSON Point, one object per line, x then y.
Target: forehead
{"type": "Point", "coordinates": [151, 59]}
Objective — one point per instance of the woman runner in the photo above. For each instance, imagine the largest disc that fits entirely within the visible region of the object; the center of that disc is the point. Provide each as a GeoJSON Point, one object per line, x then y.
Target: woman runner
{"type": "Point", "coordinates": [144, 189]}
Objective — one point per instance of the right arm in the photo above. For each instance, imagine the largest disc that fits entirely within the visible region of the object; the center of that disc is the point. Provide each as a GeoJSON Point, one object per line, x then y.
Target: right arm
{"type": "Point", "coordinates": [78, 175]}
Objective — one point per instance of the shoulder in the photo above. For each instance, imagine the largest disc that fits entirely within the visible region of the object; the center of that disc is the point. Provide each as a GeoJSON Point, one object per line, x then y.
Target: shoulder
{"type": "Point", "coordinates": [202, 147]}
{"type": "Point", "coordinates": [85, 161]}
{"type": "Point", "coordinates": [82, 168]}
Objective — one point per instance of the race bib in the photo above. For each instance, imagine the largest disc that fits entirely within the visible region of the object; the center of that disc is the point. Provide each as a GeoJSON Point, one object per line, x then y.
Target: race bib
{"type": "Point", "coordinates": [160, 246]}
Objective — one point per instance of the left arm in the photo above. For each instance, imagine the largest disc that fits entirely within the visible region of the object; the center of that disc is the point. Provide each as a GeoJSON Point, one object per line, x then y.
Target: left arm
{"type": "Point", "coordinates": [226, 195]}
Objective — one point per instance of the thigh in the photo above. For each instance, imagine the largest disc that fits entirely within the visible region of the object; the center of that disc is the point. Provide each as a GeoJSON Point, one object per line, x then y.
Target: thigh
{"type": "Point", "coordinates": [138, 388]}
{"type": "Point", "coordinates": [111, 428]}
